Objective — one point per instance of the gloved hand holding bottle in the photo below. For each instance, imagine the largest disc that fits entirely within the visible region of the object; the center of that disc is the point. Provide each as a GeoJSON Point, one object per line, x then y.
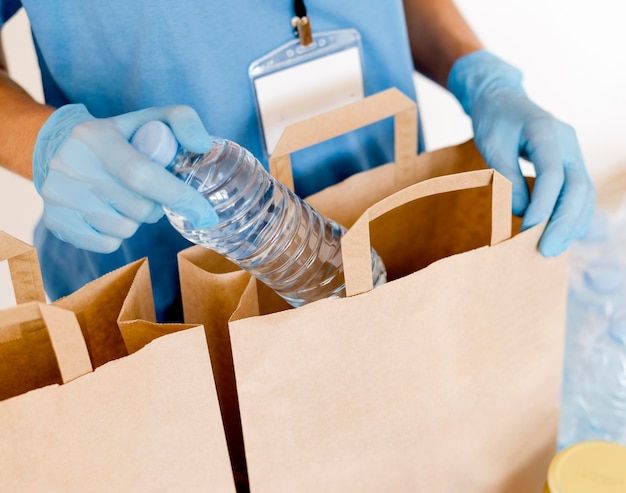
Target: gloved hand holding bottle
{"type": "Point", "coordinates": [507, 124]}
{"type": "Point", "coordinates": [97, 189]}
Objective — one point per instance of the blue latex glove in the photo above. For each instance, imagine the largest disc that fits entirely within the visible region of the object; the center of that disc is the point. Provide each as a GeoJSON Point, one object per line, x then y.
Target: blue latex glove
{"type": "Point", "coordinates": [508, 125]}
{"type": "Point", "coordinates": [97, 189]}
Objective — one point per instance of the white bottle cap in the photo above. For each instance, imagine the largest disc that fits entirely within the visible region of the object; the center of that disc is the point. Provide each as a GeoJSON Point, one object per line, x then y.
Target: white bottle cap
{"type": "Point", "coordinates": [156, 140]}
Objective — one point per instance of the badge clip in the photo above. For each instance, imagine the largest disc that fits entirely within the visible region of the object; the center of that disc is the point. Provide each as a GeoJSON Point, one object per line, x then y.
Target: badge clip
{"type": "Point", "coordinates": [294, 82]}
{"type": "Point", "coordinates": [302, 29]}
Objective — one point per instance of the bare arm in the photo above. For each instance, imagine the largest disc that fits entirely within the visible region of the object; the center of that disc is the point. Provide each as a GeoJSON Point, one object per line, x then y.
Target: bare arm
{"type": "Point", "coordinates": [439, 36]}
{"type": "Point", "coordinates": [21, 117]}
{"type": "Point", "coordinates": [3, 61]}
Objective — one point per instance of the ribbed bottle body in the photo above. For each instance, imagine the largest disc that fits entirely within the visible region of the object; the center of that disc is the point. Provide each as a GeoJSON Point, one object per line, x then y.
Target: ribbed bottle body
{"type": "Point", "coordinates": [263, 227]}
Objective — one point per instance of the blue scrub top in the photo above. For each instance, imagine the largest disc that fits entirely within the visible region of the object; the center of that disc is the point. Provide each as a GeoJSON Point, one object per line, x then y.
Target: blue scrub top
{"type": "Point", "coordinates": [119, 56]}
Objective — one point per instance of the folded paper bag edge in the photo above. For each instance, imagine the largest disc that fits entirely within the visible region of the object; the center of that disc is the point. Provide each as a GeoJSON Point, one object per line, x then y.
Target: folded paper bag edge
{"type": "Point", "coordinates": [23, 267]}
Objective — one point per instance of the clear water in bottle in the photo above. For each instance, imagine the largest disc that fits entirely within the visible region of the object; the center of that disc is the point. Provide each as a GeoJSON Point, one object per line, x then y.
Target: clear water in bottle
{"type": "Point", "coordinates": [603, 396]}
{"type": "Point", "coordinates": [263, 227]}
{"type": "Point", "coordinates": [596, 293]}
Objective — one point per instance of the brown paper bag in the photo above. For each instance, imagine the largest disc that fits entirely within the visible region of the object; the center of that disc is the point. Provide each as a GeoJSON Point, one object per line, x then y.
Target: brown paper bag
{"type": "Point", "coordinates": [146, 420]}
{"type": "Point", "coordinates": [39, 345]}
{"type": "Point", "coordinates": [445, 379]}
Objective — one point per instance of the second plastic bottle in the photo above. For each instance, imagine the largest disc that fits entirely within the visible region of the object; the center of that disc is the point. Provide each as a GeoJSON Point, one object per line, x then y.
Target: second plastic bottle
{"type": "Point", "coordinates": [263, 227]}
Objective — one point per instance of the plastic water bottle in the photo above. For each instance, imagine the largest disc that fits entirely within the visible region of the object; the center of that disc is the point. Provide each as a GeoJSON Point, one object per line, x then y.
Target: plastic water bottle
{"type": "Point", "coordinates": [618, 227]}
{"type": "Point", "coordinates": [263, 227]}
{"type": "Point", "coordinates": [604, 387]}
{"type": "Point", "coordinates": [590, 306]}
{"type": "Point", "coordinates": [598, 241]}
{"type": "Point", "coordinates": [596, 292]}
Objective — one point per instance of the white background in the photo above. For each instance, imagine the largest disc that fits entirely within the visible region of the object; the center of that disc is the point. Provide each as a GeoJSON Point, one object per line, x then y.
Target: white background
{"type": "Point", "coordinates": [570, 51]}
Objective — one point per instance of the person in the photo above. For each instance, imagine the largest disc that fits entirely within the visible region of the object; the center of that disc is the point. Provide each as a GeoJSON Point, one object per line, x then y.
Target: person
{"type": "Point", "coordinates": [109, 67]}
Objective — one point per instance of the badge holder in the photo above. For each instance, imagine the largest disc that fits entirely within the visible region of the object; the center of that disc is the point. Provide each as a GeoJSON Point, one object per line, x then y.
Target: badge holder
{"type": "Point", "coordinates": [305, 77]}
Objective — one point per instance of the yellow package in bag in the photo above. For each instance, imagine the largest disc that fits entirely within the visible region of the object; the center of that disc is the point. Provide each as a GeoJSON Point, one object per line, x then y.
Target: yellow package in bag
{"type": "Point", "coordinates": [588, 467]}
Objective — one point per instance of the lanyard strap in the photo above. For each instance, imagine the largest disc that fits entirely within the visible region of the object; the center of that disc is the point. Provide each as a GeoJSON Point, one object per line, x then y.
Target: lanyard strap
{"type": "Point", "coordinates": [301, 24]}
{"type": "Point", "coordinates": [299, 9]}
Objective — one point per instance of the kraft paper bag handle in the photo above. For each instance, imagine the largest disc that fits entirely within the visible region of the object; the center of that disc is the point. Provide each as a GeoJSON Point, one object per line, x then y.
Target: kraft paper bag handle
{"type": "Point", "coordinates": [65, 334]}
{"type": "Point", "coordinates": [353, 116]}
{"type": "Point", "coordinates": [24, 269]}
{"type": "Point", "coordinates": [355, 244]}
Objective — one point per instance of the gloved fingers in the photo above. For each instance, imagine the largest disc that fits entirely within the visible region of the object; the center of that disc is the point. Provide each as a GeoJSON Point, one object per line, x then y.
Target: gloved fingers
{"type": "Point", "coordinates": [503, 158]}
{"type": "Point", "coordinates": [587, 196]}
{"type": "Point", "coordinates": [545, 194]}
{"type": "Point", "coordinates": [156, 214]}
{"type": "Point", "coordinates": [152, 181]}
{"type": "Point", "coordinates": [68, 225]}
{"type": "Point", "coordinates": [577, 165]}
{"type": "Point", "coordinates": [98, 210]}
{"type": "Point", "coordinates": [521, 195]}
{"type": "Point", "coordinates": [149, 179]}
{"type": "Point", "coordinates": [183, 120]}
{"type": "Point", "coordinates": [543, 148]}
{"type": "Point", "coordinates": [584, 222]}
{"type": "Point", "coordinates": [102, 222]}
{"type": "Point", "coordinates": [572, 212]}
{"type": "Point", "coordinates": [490, 91]}
{"type": "Point", "coordinates": [76, 167]}
{"type": "Point", "coordinates": [126, 203]}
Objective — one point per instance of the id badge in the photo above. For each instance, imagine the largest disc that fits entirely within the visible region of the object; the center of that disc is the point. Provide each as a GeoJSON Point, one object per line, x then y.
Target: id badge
{"type": "Point", "coordinates": [296, 82]}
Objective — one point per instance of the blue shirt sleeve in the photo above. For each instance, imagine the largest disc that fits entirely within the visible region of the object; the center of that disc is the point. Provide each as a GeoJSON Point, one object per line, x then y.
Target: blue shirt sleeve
{"type": "Point", "coordinates": [8, 8]}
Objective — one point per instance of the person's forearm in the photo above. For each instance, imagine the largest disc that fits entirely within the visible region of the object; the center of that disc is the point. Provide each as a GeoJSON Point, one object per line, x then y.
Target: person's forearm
{"type": "Point", "coordinates": [439, 35]}
{"type": "Point", "coordinates": [21, 117]}
{"type": "Point", "coordinates": [3, 61]}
